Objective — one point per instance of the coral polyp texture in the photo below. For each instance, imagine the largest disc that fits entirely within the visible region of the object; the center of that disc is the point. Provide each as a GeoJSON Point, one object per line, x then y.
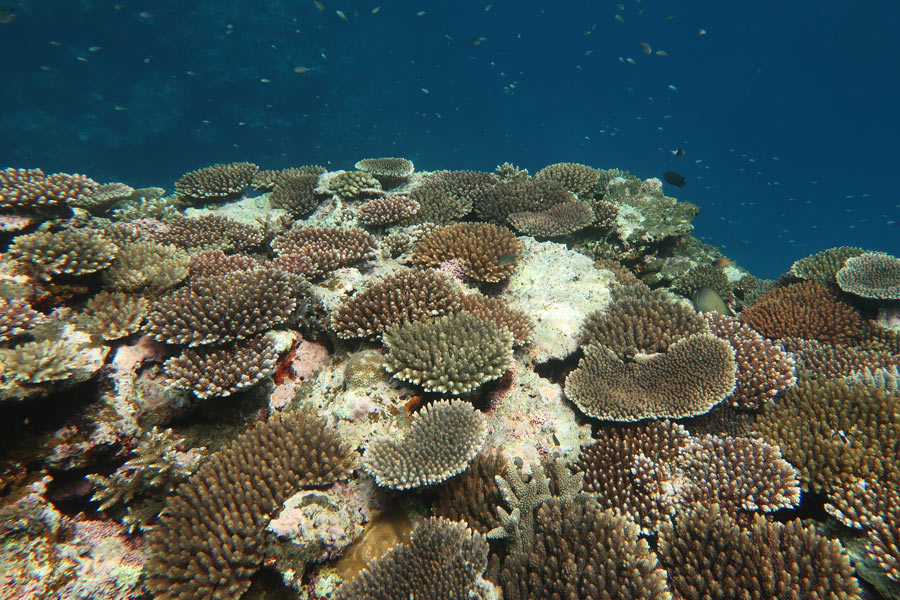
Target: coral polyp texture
{"type": "Point", "coordinates": [208, 232]}
{"type": "Point", "coordinates": [558, 220]}
{"type": "Point", "coordinates": [691, 377]}
{"type": "Point", "coordinates": [387, 210]}
{"type": "Point", "coordinates": [16, 317]}
{"type": "Point", "coordinates": [216, 182]}
{"type": "Point", "coordinates": [445, 196]}
{"type": "Point", "coordinates": [441, 440]}
{"type": "Point", "coordinates": [579, 179]}
{"type": "Point", "coordinates": [315, 251]}
{"type": "Point", "coordinates": [485, 252]}
{"type": "Point", "coordinates": [871, 275]}
{"type": "Point", "coordinates": [443, 559]}
{"type": "Point", "coordinates": [214, 310]}
{"type": "Point", "coordinates": [219, 372]}
{"type": "Point", "coordinates": [453, 354]}
{"type": "Point", "coordinates": [807, 310]}
{"type": "Point", "coordinates": [294, 191]}
{"type": "Point", "coordinates": [31, 189]}
{"type": "Point", "coordinates": [822, 267]}
{"type": "Point", "coordinates": [403, 297]}
{"type": "Point", "coordinates": [209, 540]}
{"type": "Point", "coordinates": [70, 252]}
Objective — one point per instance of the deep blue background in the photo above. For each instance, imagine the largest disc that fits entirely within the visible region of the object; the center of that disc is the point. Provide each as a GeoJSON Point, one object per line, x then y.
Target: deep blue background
{"type": "Point", "coordinates": [787, 111]}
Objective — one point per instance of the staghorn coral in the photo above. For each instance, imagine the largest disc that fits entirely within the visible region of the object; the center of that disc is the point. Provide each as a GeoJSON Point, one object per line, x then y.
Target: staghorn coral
{"type": "Point", "coordinates": [70, 252]}
{"type": "Point", "coordinates": [579, 179]}
{"type": "Point", "coordinates": [217, 372]}
{"type": "Point", "coordinates": [886, 378]}
{"type": "Point", "coordinates": [209, 232]}
{"type": "Point", "coordinates": [441, 440]}
{"type": "Point", "coordinates": [822, 267]}
{"type": "Point", "coordinates": [708, 555]}
{"type": "Point", "coordinates": [835, 432]}
{"type": "Point", "coordinates": [114, 315]}
{"type": "Point", "coordinates": [215, 262]}
{"type": "Point", "coordinates": [352, 184]}
{"type": "Point", "coordinates": [16, 317]}
{"type": "Point", "coordinates": [40, 362]}
{"type": "Point", "coordinates": [497, 310]}
{"type": "Point", "coordinates": [215, 182]}
{"type": "Point", "coordinates": [763, 369]}
{"type": "Point", "coordinates": [486, 252]}
{"type": "Point", "coordinates": [871, 275]}
{"type": "Point", "coordinates": [640, 321]}
{"type": "Point", "coordinates": [583, 551]}
{"type": "Point", "coordinates": [444, 196]}
{"type": "Point", "coordinates": [558, 220]}
{"type": "Point", "coordinates": [453, 354]}
{"type": "Point", "coordinates": [474, 494]}
{"type": "Point", "coordinates": [146, 266]}
{"type": "Point", "coordinates": [294, 191]}
{"type": "Point", "coordinates": [443, 560]}
{"type": "Point", "coordinates": [31, 189]}
{"type": "Point", "coordinates": [402, 297]}
{"type": "Point", "coordinates": [695, 374]}
{"type": "Point", "coordinates": [387, 210]}
{"type": "Point", "coordinates": [209, 540]}
{"type": "Point", "coordinates": [315, 251]}
{"type": "Point", "coordinates": [807, 310]}
{"type": "Point", "coordinates": [236, 306]}
{"type": "Point", "coordinates": [702, 276]}
{"type": "Point", "coordinates": [522, 194]}
{"type": "Point", "coordinates": [835, 360]}
{"type": "Point", "coordinates": [390, 171]}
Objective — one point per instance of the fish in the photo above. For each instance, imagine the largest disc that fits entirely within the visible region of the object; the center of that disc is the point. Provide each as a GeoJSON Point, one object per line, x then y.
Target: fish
{"type": "Point", "coordinates": [619, 18]}
{"type": "Point", "coordinates": [679, 153]}
{"type": "Point", "coordinates": [674, 178]}
{"type": "Point", "coordinates": [722, 262]}
{"type": "Point", "coordinates": [707, 300]}
{"type": "Point", "coordinates": [701, 31]}
{"type": "Point", "coordinates": [507, 259]}
{"type": "Point", "coordinates": [477, 41]}
{"type": "Point", "coordinates": [145, 15]}
{"type": "Point", "coordinates": [341, 15]}
{"type": "Point", "coordinates": [302, 70]}
{"type": "Point", "coordinates": [421, 13]}
{"type": "Point", "coordinates": [375, 10]}
{"type": "Point", "coordinates": [661, 53]}
{"type": "Point", "coordinates": [319, 5]}
{"type": "Point", "coordinates": [646, 48]}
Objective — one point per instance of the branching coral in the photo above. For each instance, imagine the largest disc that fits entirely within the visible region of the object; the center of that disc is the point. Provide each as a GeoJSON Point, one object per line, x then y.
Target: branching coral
{"type": "Point", "coordinates": [294, 191]}
{"type": "Point", "coordinates": [402, 297]}
{"type": "Point", "coordinates": [30, 189]}
{"type": "Point", "coordinates": [216, 181]}
{"type": "Point", "coordinates": [222, 371]}
{"type": "Point", "coordinates": [390, 171]}
{"type": "Point", "coordinates": [315, 251]}
{"type": "Point", "coordinates": [558, 220]}
{"type": "Point", "coordinates": [453, 354]}
{"type": "Point", "coordinates": [352, 184]}
{"type": "Point", "coordinates": [703, 276]}
{"type": "Point", "coordinates": [146, 266]}
{"type": "Point", "coordinates": [871, 275]}
{"type": "Point", "coordinates": [441, 440]}
{"type": "Point", "coordinates": [579, 179]}
{"type": "Point", "coordinates": [445, 196]}
{"type": "Point", "coordinates": [443, 559]}
{"type": "Point", "coordinates": [387, 210]}
{"type": "Point", "coordinates": [522, 194]}
{"type": "Point", "coordinates": [497, 310]}
{"type": "Point", "coordinates": [16, 317]}
{"type": "Point", "coordinates": [486, 252]}
{"type": "Point", "coordinates": [40, 362]}
{"type": "Point", "coordinates": [473, 495]}
{"type": "Point", "coordinates": [835, 360]}
{"type": "Point", "coordinates": [209, 232]}
{"type": "Point", "coordinates": [209, 540]}
{"type": "Point", "coordinates": [70, 252]}
{"type": "Point", "coordinates": [822, 267]}
{"type": "Point", "coordinates": [114, 315]}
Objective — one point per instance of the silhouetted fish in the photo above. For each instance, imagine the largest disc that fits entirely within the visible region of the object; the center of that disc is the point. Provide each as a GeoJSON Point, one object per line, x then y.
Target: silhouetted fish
{"type": "Point", "coordinates": [674, 178]}
{"type": "Point", "coordinates": [678, 153]}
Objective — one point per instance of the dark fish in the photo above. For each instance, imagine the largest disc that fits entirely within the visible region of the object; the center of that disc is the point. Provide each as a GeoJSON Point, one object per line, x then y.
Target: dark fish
{"type": "Point", "coordinates": [674, 178]}
{"type": "Point", "coordinates": [678, 153]}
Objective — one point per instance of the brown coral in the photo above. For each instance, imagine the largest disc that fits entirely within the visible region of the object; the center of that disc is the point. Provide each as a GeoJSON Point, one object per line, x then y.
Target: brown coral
{"type": "Point", "coordinates": [485, 252]}
{"type": "Point", "coordinates": [402, 297]}
{"type": "Point", "coordinates": [807, 310]}
{"type": "Point", "coordinates": [871, 275]}
{"type": "Point", "coordinates": [103, 197]}
{"type": "Point", "coordinates": [579, 179]}
{"type": "Point", "coordinates": [216, 181]}
{"type": "Point", "coordinates": [16, 317]}
{"type": "Point", "coordinates": [763, 369]}
{"type": "Point", "coordinates": [209, 232]}
{"type": "Point", "coordinates": [387, 210]}
{"type": "Point", "coordinates": [522, 194]}
{"type": "Point", "coordinates": [114, 315]}
{"type": "Point", "coordinates": [222, 371]}
{"type": "Point", "coordinates": [695, 374]}
{"type": "Point", "coordinates": [29, 189]}
{"type": "Point", "coordinates": [497, 310]}
{"type": "Point", "coordinates": [146, 266]}
{"type": "Point", "coordinates": [209, 540]}
{"type": "Point", "coordinates": [214, 310]}
{"type": "Point", "coordinates": [294, 191]}
{"type": "Point", "coordinates": [40, 362]}
{"type": "Point", "coordinates": [390, 171]}
{"type": "Point", "coordinates": [444, 196]}
{"type": "Point", "coordinates": [703, 276]}
{"type": "Point", "coordinates": [352, 184]}
{"type": "Point", "coordinates": [215, 262]}
{"type": "Point", "coordinates": [558, 220]}
{"type": "Point", "coordinates": [315, 251]}
{"type": "Point", "coordinates": [822, 267]}
{"type": "Point", "coordinates": [473, 495]}
{"type": "Point", "coordinates": [834, 360]}
{"type": "Point", "coordinates": [70, 252]}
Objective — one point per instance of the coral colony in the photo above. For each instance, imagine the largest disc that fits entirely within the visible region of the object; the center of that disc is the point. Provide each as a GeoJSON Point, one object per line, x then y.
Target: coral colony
{"type": "Point", "coordinates": [388, 384]}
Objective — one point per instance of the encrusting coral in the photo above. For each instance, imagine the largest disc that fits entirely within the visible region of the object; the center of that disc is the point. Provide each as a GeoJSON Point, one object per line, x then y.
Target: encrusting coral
{"type": "Point", "coordinates": [216, 181]}
{"type": "Point", "coordinates": [453, 354]}
{"type": "Point", "coordinates": [871, 275]}
{"type": "Point", "coordinates": [486, 252]}
{"type": "Point", "coordinates": [70, 252]}
{"type": "Point", "coordinates": [403, 297]}
{"type": "Point", "coordinates": [441, 440]}
{"type": "Point", "coordinates": [443, 559]}
{"type": "Point", "coordinates": [209, 540]}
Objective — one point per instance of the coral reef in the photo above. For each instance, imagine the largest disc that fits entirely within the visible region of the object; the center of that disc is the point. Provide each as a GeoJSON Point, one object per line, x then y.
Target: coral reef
{"type": "Point", "coordinates": [352, 184]}
{"type": "Point", "coordinates": [473, 495]}
{"type": "Point", "coordinates": [579, 179]}
{"type": "Point", "coordinates": [215, 182]}
{"type": "Point", "coordinates": [822, 267]}
{"type": "Point", "coordinates": [440, 441]}
{"type": "Point", "coordinates": [315, 251]}
{"type": "Point", "coordinates": [389, 171]}
{"type": "Point", "coordinates": [222, 371]}
{"type": "Point", "coordinates": [146, 266]}
{"type": "Point", "coordinates": [208, 232]}
{"type": "Point", "coordinates": [294, 191]}
{"type": "Point", "coordinates": [558, 220]}
{"type": "Point", "coordinates": [387, 210]}
{"type": "Point", "coordinates": [30, 189]}
{"type": "Point", "coordinates": [518, 323]}
{"type": "Point", "coordinates": [453, 354]}
{"type": "Point", "coordinates": [70, 252]}
{"type": "Point", "coordinates": [444, 196]}
{"type": "Point", "coordinates": [41, 362]}
{"type": "Point", "coordinates": [522, 194]}
{"type": "Point", "coordinates": [16, 317]}
{"type": "Point", "coordinates": [486, 252]}
{"type": "Point", "coordinates": [871, 275]}
{"type": "Point", "coordinates": [114, 315]}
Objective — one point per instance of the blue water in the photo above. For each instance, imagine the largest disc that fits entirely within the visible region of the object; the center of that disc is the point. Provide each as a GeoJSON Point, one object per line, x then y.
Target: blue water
{"type": "Point", "coordinates": [786, 111]}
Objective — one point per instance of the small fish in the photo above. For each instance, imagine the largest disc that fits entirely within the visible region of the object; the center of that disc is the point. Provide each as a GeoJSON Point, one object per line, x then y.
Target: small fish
{"type": "Point", "coordinates": [421, 13]}
{"type": "Point", "coordinates": [342, 16]}
{"type": "Point", "coordinates": [145, 15]}
{"type": "Point", "coordinates": [701, 31]}
{"type": "Point", "coordinates": [302, 70]}
{"type": "Point", "coordinates": [265, 80]}
{"type": "Point", "coordinates": [679, 153]}
{"type": "Point", "coordinates": [425, 91]}
{"type": "Point", "coordinates": [674, 178]}
{"type": "Point", "coordinates": [55, 43]}
{"type": "Point", "coordinates": [589, 52]}
{"type": "Point", "coordinates": [319, 5]}
{"type": "Point", "coordinates": [620, 7]}
{"type": "Point", "coordinates": [646, 48]}
{"type": "Point", "coordinates": [630, 61]}
{"type": "Point", "coordinates": [722, 262]}
{"type": "Point", "coordinates": [672, 87]}
{"type": "Point", "coordinates": [619, 18]}
{"type": "Point", "coordinates": [95, 49]}
{"type": "Point", "coordinates": [507, 259]}
{"type": "Point", "coordinates": [662, 53]}
{"type": "Point", "coordinates": [119, 108]}
{"type": "Point", "coordinates": [375, 10]}
{"type": "Point", "coordinates": [488, 8]}
{"type": "Point", "coordinates": [477, 41]}
{"type": "Point", "coordinates": [46, 68]}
